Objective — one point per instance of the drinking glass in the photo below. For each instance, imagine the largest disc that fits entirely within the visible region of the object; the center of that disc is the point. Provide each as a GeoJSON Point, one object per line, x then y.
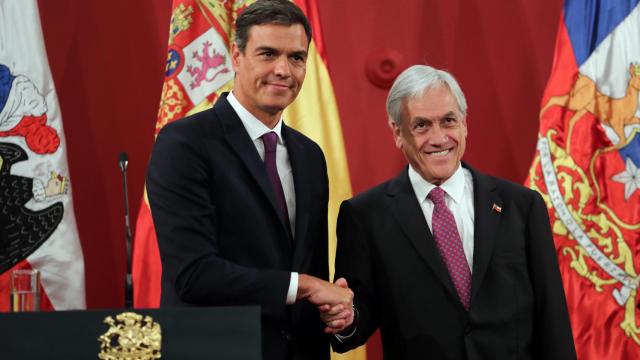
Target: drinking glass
{"type": "Point", "coordinates": [25, 290]}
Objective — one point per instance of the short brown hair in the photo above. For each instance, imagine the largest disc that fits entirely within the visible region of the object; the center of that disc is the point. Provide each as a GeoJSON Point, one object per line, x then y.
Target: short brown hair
{"type": "Point", "coordinates": [280, 12]}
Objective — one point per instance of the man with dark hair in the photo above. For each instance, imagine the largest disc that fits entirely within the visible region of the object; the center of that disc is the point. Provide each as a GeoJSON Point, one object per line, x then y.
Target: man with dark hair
{"type": "Point", "coordinates": [270, 12]}
{"type": "Point", "coordinates": [239, 199]}
{"type": "Point", "coordinates": [450, 263]}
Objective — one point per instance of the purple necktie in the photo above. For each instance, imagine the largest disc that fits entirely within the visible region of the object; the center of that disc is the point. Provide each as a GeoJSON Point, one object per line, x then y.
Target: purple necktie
{"type": "Point", "coordinates": [449, 244]}
{"type": "Point", "coordinates": [270, 140]}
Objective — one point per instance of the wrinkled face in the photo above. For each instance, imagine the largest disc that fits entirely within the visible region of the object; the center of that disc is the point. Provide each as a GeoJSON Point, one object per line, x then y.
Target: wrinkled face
{"type": "Point", "coordinates": [432, 134]}
{"type": "Point", "coordinates": [270, 71]}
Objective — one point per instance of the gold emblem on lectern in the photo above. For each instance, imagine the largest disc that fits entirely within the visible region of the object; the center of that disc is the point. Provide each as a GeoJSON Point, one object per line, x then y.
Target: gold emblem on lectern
{"type": "Point", "coordinates": [130, 336]}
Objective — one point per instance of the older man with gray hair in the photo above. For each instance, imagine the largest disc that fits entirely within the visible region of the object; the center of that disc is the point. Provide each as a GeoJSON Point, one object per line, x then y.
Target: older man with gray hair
{"type": "Point", "coordinates": [448, 262]}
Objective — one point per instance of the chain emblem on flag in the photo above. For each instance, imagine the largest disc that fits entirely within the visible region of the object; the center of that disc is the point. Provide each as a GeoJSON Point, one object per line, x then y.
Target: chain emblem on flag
{"type": "Point", "coordinates": [172, 104]}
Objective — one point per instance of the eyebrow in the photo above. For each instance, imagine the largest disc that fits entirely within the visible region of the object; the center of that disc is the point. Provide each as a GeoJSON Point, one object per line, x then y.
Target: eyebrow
{"type": "Point", "coordinates": [450, 114]}
{"type": "Point", "coordinates": [302, 53]}
{"type": "Point", "coordinates": [266, 48]}
{"type": "Point", "coordinates": [446, 115]}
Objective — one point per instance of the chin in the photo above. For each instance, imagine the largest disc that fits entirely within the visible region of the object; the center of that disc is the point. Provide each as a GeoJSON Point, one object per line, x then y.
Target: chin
{"type": "Point", "coordinates": [442, 175]}
{"type": "Point", "coordinates": [273, 108]}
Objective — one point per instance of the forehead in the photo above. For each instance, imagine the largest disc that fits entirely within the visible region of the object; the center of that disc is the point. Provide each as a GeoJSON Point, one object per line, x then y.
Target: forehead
{"type": "Point", "coordinates": [276, 35]}
{"type": "Point", "coordinates": [435, 102]}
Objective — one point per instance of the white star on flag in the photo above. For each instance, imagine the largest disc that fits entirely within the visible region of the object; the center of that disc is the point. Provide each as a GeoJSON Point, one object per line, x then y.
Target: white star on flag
{"type": "Point", "coordinates": [630, 177]}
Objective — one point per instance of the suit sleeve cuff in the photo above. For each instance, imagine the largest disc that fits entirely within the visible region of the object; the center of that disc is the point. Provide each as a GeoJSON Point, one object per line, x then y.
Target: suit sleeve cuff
{"type": "Point", "coordinates": [292, 294]}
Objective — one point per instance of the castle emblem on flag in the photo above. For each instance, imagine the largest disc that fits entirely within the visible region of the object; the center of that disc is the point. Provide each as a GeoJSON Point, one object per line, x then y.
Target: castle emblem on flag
{"type": "Point", "coordinates": [181, 20]}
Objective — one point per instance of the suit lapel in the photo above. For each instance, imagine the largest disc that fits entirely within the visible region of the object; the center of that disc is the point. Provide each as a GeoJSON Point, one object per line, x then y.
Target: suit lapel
{"type": "Point", "coordinates": [409, 216]}
{"type": "Point", "coordinates": [243, 146]}
{"type": "Point", "coordinates": [300, 170]}
{"type": "Point", "coordinates": [486, 222]}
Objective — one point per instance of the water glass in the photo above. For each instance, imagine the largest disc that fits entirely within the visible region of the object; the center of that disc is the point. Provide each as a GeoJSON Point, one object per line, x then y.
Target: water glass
{"type": "Point", "coordinates": [25, 290]}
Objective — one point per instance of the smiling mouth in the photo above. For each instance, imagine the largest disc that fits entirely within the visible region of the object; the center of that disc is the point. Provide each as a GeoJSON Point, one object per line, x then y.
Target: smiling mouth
{"type": "Point", "coordinates": [440, 153]}
{"type": "Point", "coordinates": [279, 86]}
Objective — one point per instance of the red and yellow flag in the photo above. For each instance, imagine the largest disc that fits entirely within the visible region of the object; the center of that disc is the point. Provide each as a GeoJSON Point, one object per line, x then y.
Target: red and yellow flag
{"type": "Point", "coordinates": [198, 70]}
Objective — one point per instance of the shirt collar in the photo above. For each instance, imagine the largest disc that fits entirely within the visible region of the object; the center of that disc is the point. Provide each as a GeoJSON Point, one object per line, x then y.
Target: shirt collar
{"type": "Point", "coordinates": [454, 186]}
{"type": "Point", "coordinates": [255, 127]}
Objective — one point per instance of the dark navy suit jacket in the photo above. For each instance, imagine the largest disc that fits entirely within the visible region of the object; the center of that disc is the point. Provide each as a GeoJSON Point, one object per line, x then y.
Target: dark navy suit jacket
{"type": "Point", "coordinates": [389, 257]}
{"type": "Point", "coordinates": [221, 238]}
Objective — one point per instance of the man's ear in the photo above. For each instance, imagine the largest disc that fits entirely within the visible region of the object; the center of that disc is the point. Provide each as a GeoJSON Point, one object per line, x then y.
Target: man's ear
{"type": "Point", "coordinates": [235, 56]}
{"type": "Point", "coordinates": [397, 134]}
{"type": "Point", "coordinates": [464, 126]}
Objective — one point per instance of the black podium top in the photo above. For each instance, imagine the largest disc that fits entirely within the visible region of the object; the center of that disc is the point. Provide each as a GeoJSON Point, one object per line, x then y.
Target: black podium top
{"type": "Point", "coordinates": [227, 333]}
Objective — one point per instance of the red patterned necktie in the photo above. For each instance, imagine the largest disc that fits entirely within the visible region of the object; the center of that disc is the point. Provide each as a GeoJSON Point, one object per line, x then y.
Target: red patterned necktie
{"type": "Point", "coordinates": [270, 140]}
{"type": "Point", "coordinates": [449, 244]}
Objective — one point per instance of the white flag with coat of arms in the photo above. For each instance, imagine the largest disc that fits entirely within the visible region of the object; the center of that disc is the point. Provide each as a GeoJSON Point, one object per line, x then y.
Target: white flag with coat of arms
{"type": "Point", "coordinates": [38, 228]}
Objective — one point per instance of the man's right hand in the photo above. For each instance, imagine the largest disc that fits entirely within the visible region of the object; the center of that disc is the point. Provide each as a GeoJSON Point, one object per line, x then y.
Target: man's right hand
{"type": "Point", "coordinates": [338, 317]}
{"type": "Point", "coordinates": [334, 301]}
{"type": "Point", "coordinates": [320, 292]}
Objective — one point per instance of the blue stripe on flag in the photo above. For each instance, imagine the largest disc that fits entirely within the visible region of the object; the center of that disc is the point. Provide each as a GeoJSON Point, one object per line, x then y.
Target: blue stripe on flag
{"type": "Point", "coordinates": [590, 21]}
{"type": "Point", "coordinates": [632, 150]}
{"type": "Point", "coordinates": [5, 85]}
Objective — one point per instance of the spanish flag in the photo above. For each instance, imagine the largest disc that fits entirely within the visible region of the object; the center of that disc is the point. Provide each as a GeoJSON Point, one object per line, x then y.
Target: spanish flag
{"type": "Point", "coordinates": [198, 70]}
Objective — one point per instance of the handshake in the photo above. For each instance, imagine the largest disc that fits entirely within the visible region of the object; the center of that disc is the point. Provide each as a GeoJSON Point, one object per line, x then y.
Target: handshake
{"type": "Point", "coordinates": [334, 301]}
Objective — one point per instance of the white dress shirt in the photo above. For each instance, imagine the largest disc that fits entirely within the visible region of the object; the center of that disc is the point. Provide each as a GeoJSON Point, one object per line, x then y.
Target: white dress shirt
{"type": "Point", "coordinates": [256, 130]}
{"type": "Point", "coordinates": [459, 198]}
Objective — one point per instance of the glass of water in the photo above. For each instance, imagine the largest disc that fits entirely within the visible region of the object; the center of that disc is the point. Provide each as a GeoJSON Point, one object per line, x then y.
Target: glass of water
{"type": "Point", "coordinates": [25, 290]}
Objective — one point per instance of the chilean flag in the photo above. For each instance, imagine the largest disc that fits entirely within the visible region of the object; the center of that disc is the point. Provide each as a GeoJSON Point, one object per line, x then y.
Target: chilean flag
{"type": "Point", "coordinates": [587, 168]}
{"type": "Point", "coordinates": [38, 227]}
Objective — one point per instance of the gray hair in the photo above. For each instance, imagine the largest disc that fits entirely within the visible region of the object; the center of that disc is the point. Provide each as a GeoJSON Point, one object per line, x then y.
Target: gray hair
{"type": "Point", "coordinates": [414, 82]}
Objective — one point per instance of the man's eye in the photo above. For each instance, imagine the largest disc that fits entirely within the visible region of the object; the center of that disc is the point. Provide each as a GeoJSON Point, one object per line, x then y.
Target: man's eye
{"type": "Point", "coordinates": [419, 125]}
{"type": "Point", "coordinates": [297, 58]}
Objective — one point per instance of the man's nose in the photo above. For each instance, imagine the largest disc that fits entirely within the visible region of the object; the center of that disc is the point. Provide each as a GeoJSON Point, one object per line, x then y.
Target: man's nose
{"type": "Point", "coordinates": [438, 135]}
{"type": "Point", "coordinates": [281, 67]}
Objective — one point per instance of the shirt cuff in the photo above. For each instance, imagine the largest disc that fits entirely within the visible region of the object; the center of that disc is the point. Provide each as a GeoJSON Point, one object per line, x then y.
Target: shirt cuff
{"type": "Point", "coordinates": [292, 294]}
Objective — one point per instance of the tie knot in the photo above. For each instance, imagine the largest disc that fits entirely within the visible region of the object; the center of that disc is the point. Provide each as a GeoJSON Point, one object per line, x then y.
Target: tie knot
{"type": "Point", "coordinates": [270, 139]}
{"type": "Point", "coordinates": [437, 196]}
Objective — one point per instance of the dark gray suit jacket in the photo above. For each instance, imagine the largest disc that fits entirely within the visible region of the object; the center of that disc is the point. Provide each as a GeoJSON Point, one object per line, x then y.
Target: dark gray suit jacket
{"type": "Point", "coordinates": [390, 259]}
{"type": "Point", "coordinates": [221, 238]}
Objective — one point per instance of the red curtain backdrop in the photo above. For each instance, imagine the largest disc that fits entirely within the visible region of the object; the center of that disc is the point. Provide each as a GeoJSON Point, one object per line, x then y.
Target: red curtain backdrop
{"type": "Point", "coordinates": [108, 60]}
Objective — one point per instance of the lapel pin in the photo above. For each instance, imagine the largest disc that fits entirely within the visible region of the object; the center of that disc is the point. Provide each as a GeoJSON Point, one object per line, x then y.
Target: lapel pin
{"type": "Point", "coordinates": [496, 208]}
